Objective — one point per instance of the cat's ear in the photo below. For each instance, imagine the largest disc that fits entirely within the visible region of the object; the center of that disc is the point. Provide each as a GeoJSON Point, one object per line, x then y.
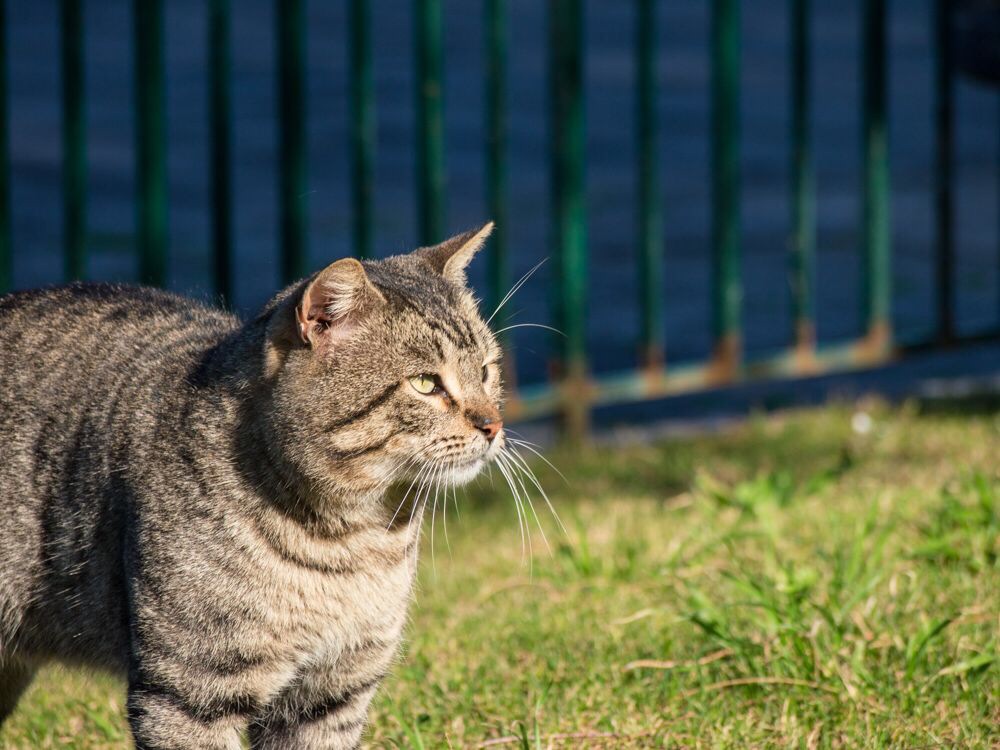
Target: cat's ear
{"type": "Point", "coordinates": [333, 302]}
{"type": "Point", "coordinates": [452, 256]}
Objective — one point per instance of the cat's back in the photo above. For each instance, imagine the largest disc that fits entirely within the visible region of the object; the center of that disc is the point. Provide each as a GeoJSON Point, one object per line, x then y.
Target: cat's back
{"type": "Point", "coordinates": [56, 340]}
{"type": "Point", "coordinates": [78, 311]}
{"type": "Point", "coordinates": [79, 363]}
{"type": "Point", "coordinates": [76, 353]}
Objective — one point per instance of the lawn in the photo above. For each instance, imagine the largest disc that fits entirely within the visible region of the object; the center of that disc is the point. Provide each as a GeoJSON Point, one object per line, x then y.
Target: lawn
{"type": "Point", "coordinates": [812, 579]}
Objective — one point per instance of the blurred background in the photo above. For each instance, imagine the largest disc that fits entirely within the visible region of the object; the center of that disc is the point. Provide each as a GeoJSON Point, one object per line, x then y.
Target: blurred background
{"type": "Point", "coordinates": [85, 59]}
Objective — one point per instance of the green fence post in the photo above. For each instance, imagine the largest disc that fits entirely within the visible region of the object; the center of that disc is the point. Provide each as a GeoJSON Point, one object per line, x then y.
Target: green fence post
{"type": "Point", "coordinates": [495, 23]}
{"type": "Point", "coordinates": [73, 140]}
{"type": "Point", "coordinates": [568, 202]}
{"type": "Point", "coordinates": [361, 91]}
{"type": "Point", "coordinates": [803, 195]}
{"type": "Point", "coordinates": [220, 118]}
{"type": "Point", "coordinates": [875, 280]}
{"type": "Point", "coordinates": [648, 190]}
{"type": "Point", "coordinates": [943, 106]}
{"type": "Point", "coordinates": [292, 137]}
{"type": "Point", "coordinates": [496, 145]}
{"type": "Point", "coordinates": [151, 142]}
{"type": "Point", "coordinates": [727, 292]}
{"type": "Point", "coordinates": [430, 121]}
{"type": "Point", "coordinates": [6, 259]}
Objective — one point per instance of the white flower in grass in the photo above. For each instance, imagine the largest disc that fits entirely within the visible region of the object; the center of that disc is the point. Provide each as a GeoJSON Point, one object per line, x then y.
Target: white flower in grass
{"type": "Point", "coordinates": [861, 423]}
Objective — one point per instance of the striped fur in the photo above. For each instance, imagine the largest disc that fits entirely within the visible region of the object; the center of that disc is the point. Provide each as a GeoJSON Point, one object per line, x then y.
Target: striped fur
{"type": "Point", "coordinates": [210, 507]}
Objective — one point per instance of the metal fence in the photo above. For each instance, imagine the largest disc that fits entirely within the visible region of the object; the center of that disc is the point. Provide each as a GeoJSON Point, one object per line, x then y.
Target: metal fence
{"type": "Point", "coordinates": [571, 392]}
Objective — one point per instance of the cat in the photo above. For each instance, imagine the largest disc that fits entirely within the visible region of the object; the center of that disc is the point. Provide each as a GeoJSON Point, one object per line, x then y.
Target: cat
{"type": "Point", "coordinates": [201, 504]}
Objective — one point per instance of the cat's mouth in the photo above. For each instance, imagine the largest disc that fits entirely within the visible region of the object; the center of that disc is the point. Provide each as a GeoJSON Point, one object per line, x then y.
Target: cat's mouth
{"type": "Point", "coordinates": [462, 469]}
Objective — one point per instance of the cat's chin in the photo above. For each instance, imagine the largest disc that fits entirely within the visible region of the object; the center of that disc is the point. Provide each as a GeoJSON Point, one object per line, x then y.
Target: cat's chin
{"type": "Point", "coordinates": [460, 474]}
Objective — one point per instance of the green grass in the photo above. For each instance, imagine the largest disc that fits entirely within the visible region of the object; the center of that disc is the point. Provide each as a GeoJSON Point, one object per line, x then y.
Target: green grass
{"type": "Point", "coordinates": [790, 583]}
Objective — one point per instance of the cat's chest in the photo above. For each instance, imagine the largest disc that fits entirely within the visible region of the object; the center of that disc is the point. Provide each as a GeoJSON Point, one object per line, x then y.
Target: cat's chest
{"type": "Point", "coordinates": [325, 599]}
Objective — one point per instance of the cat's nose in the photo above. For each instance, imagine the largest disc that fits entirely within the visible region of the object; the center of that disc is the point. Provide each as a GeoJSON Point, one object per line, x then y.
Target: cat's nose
{"type": "Point", "coordinates": [488, 425]}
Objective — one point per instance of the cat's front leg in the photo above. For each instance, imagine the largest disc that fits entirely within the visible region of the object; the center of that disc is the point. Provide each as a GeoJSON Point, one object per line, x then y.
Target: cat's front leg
{"type": "Point", "coordinates": [336, 724]}
{"type": "Point", "coordinates": [329, 714]}
{"type": "Point", "coordinates": [164, 717]}
{"type": "Point", "coordinates": [327, 705]}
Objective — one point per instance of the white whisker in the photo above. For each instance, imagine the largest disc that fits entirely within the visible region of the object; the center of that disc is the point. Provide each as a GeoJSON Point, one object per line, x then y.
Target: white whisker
{"type": "Point", "coordinates": [534, 480]}
{"type": "Point", "coordinates": [529, 325]}
{"type": "Point", "coordinates": [444, 508]}
{"type": "Point", "coordinates": [437, 489]}
{"type": "Point", "coordinates": [514, 289]}
{"type": "Point", "coordinates": [517, 471]}
{"type": "Point", "coordinates": [420, 500]}
{"type": "Point", "coordinates": [533, 448]}
{"type": "Point", "coordinates": [406, 494]}
{"type": "Point", "coordinates": [517, 501]}
{"type": "Point", "coordinates": [503, 461]}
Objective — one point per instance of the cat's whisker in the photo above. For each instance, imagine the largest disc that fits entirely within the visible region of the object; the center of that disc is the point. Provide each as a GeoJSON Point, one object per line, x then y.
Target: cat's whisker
{"type": "Point", "coordinates": [534, 480]}
{"type": "Point", "coordinates": [522, 517]}
{"type": "Point", "coordinates": [526, 531]}
{"type": "Point", "coordinates": [402, 502]}
{"type": "Point", "coordinates": [533, 447]}
{"type": "Point", "coordinates": [444, 508]}
{"type": "Point", "coordinates": [416, 501]}
{"type": "Point", "coordinates": [422, 491]}
{"type": "Point", "coordinates": [517, 470]}
{"type": "Point", "coordinates": [529, 325]}
{"type": "Point", "coordinates": [510, 432]}
{"type": "Point", "coordinates": [415, 456]}
{"type": "Point", "coordinates": [454, 497]}
{"type": "Point", "coordinates": [538, 522]}
{"type": "Point", "coordinates": [516, 433]}
{"type": "Point", "coordinates": [419, 502]}
{"type": "Point", "coordinates": [437, 489]}
{"type": "Point", "coordinates": [392, 474]}
{"type": "Point", "coordinates": [517, 504]}
{"type": "Point", "coordinates": [431, 481]}
{"type": "Point", "coordinates": [513, 289]}
{"type": "Point", "coordinates": [526, 470]}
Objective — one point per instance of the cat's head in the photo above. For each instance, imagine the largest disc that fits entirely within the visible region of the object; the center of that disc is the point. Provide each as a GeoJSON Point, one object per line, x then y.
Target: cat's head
{"type": "Point", "coordinates": [383, 370]}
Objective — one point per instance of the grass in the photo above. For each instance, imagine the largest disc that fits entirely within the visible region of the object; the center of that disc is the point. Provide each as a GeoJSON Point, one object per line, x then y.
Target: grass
{"type": "Point", "coordinates": [795, 582]}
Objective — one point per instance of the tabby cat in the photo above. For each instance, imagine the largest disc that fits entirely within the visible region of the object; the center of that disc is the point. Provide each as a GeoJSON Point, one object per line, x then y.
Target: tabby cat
{"type": "Point", "coordinates": [201, 504]}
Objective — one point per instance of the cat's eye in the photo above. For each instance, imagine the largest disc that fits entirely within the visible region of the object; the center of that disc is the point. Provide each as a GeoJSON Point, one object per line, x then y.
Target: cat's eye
{"type": "Point", "coordinates": [425, 384]}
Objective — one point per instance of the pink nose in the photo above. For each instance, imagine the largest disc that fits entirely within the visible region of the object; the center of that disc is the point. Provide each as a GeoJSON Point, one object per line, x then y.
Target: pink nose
{"type": "Point", "coordinates": [489, 427]}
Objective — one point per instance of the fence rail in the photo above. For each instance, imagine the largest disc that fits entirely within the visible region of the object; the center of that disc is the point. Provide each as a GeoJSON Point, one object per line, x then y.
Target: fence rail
{"type": "Point", "coordinates": [572, 391]}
